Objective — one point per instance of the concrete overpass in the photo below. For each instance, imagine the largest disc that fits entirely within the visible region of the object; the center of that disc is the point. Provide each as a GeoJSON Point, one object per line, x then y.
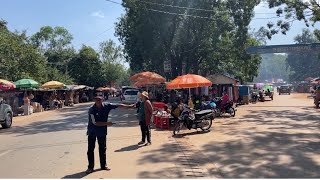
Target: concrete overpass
{"type": "Point", "coordinates": [289, 48]}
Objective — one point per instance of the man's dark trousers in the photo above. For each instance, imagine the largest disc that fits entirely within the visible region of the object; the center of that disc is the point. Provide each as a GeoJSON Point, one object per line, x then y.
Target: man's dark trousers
{"type": "Point", "coordinates": [145, 131]}
{"type": "Point", "coordinates": [102, 150]}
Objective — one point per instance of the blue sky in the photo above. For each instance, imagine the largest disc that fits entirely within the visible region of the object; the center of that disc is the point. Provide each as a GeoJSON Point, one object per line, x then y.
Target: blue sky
{"type": "Point", "coordinates": [91, 22]}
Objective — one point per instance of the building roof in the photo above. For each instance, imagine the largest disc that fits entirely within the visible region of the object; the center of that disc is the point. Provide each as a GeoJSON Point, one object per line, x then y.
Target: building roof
{"type": "Point", "coordinates": [222, 79]}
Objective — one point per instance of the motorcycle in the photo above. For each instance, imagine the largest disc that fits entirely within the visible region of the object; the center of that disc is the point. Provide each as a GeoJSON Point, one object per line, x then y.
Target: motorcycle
{"type": "Point", "coordinates": [316, 102]}
{"type": "Point", "coordinates": [228, 108]}
{"type": "Point", "coordinates": [254, 97]}
{"type": "Point", "coordinates": [261, 96]}
{"type": "Point", "coordinates": [206, 105]}
{"type": "Point", "coordinates": [191, 119]}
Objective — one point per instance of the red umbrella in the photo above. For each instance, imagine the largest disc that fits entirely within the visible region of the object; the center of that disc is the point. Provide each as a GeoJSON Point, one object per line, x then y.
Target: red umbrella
{"type": "Point", "coordinates": [6, 87]}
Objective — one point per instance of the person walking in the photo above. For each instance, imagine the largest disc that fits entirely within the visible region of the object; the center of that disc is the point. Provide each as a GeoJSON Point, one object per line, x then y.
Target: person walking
{"type": "Point", "coordinates": [97, 129]}
{"type": "Point", "coordinates": [145, 114]}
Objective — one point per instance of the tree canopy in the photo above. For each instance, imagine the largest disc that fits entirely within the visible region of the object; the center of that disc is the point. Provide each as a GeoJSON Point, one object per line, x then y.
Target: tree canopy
{"type": "Point", "coordinates": [189, 39]}
{"type": "Point", "coordinates": [49, 55]}
{"type": "Point", "coordinates": [293, 10]}
{"type": "Point", "coordinates": [273, 67]}
{"type": "Point", "coordinates": [303, 66]}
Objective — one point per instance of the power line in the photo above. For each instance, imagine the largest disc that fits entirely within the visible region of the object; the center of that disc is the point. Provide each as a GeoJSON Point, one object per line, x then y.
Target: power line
{"type": "Point", "coordinates": [113, 2]}
{"type": "Point", "coordinates": [97, 36]}
{"type": "Point", "coordinates": [190, 8]}
{"type": "Point", "coordinates": [195, 16]}
{"type": "Point", "coordinates": [189, 15]}
{"type": "Point", "coordinates": [179, 7]}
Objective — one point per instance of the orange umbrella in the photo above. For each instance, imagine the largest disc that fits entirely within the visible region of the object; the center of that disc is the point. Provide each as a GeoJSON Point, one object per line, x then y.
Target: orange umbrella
{"type": "Point", "coordinates": [145, 83]}
{"type": "Point", "coordinates": [188, 81]}
{"type": "Point", "coordinates": [148, 76]}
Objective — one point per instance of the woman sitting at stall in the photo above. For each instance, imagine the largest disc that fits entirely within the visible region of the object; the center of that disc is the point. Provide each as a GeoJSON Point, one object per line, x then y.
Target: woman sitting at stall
{"type": "Point", "coordinates": [177, 109]}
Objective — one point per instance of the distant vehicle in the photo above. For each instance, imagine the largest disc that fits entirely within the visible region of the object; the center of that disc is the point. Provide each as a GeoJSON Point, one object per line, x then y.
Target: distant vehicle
{"type": "Point", "coordinates": [5, 115]}
{"type": "Point", "coordinates": [130, 96]}
{"type": "Point", "coordinates": [124, 88]}
{"type": "Point", "coordinates": [284, 90]}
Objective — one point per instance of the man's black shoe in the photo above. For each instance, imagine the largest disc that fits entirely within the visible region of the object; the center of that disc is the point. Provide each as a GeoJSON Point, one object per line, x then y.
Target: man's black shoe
{"type": "Point", "coordinates": [89, 171]}
{"type": "Point", "coordinates": [105, 168]}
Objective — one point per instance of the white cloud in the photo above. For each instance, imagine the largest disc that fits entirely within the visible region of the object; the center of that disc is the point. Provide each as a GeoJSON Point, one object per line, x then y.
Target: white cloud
{"type": "Point", "coordinates": [98, 14]}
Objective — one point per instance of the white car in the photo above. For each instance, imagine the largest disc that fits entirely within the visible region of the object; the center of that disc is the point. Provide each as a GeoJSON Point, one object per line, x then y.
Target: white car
{"type": "Point", "coordinates": [130, 96]}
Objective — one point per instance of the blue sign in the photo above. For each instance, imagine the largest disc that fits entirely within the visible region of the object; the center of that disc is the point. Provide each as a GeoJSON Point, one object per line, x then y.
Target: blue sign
{"type": "Point", "coordinates": [290, 48]}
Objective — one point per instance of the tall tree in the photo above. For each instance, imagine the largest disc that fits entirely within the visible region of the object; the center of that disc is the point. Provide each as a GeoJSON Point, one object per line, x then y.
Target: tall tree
{"type": "Point", "coordinates": [273, 67]}
{"type": "Point", "coordinates": [192, 40]}
{"type": "Point", "coordinates": [293, 10]}
{"type": "Point", "coordinates": [55, 45]}
{"type": "Point", "coordinates": [110, 52]}
{"type": "Point", "coordinates": [304, 65]}
{"type": "Point", "coordinates": [85, 68]}
{"type": "Point", "coordinates": [18, 58]}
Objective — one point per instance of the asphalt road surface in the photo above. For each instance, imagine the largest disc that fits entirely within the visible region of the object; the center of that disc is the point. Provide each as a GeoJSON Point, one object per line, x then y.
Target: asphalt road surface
{"type": "Point", "coordinates": [275, 139]}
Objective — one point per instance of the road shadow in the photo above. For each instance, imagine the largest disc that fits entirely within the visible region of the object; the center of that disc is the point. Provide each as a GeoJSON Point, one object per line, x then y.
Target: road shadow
{"type": "Point", "coordinates": [195, 132]}
{"type": "Point", "coordinates": [286, 146]}
{"type": "Point", "coordinates": [262, 144]}
{"type": "Point", "coordinates": [71, 118]}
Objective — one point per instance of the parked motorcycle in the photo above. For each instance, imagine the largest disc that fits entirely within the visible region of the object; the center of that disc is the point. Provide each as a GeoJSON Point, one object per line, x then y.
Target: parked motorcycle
{"type": "Point", "coordinates": [205, 105]}
{"type": "Point", "coordinates": [316, 102]}
{"type": "Point", "coordinates": [261, 96]}
{"type": "Point", "coordinates": [191, 119]}
{"type": "Point", "coordinates": [254, 97]}
{"type": "Point", "coordinates": [227, 109]}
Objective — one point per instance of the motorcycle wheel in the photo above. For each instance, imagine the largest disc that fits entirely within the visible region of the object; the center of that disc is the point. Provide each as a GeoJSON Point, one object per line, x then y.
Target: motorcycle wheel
{"type": "Point", "coordinates": [207, 125]}
{"type": "Point", "coordinates": [232, 112]}
{"type": "Point", "coordinates": [217, 113]}
{"type": "Point", "coordinates": [178, 127]}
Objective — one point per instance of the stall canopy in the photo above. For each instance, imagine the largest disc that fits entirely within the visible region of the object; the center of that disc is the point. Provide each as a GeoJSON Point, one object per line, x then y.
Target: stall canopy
{"type": "Point", "coordinates": [53, 84]}
{"type": "Point", "coordinates": [78, 87]}
{"type": "Point", "coordinates": [148, 77]}
{"type": "Point", "coordinates": [222, 79]}
{"type": "Point", "coordinates": [145, 83]}
{"type": "Point", "coordinates": [26, 83]}
{"type": "Point", "coordinates": [188, 81]}
{"type": "Point", "coordinates": [6, 85]}
{"type": "Point", "coordinates": [103, 89]}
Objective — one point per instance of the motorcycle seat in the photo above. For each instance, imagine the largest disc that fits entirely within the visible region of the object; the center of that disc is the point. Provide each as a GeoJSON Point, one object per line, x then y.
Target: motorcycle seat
{"type": "Point", "coordinates": [203, 112]}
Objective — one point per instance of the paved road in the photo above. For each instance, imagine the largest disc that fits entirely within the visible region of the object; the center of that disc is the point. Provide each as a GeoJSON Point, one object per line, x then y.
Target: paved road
{"type": "Point", "coordinates": [271, 139]}
{"type": "Point", "coordinates": [278, 139]}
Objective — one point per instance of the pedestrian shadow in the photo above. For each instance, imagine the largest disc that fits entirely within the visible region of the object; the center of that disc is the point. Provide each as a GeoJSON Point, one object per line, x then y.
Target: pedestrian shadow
{"type": "Point", "coordinates": [129, 148]}
{"type": "Point", "coordinates": [75, 176]}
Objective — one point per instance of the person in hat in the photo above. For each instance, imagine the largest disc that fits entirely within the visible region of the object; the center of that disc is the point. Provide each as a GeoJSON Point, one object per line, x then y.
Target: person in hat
{"type": "Point", "coordinates": [97, 129]}
{"type": "Point", "coordinates": [145, 114]}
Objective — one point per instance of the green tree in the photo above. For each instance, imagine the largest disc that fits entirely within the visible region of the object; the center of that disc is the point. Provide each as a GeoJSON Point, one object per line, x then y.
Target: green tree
{"type": "Point", "coordinates": [18, 58]}
{"type": "Point", "coordinates": [273, 66]}
{"type": "Point", "coordinates": [55, 45]}
{"type": "Point", "coordinates": [110, 52]}
{"type": "Point", "coordinates": [193, 41]}
{"type": "Point", "coordinates": [297, 10]}
{"type": "Point", "coordinates": [86, 68]}
{"type": "Point", "coordinates": [304, 65]}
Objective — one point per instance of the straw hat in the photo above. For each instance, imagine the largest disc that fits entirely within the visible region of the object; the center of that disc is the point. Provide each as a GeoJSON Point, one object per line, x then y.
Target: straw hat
{"type": "Point", "coordinates": [145, 94]}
